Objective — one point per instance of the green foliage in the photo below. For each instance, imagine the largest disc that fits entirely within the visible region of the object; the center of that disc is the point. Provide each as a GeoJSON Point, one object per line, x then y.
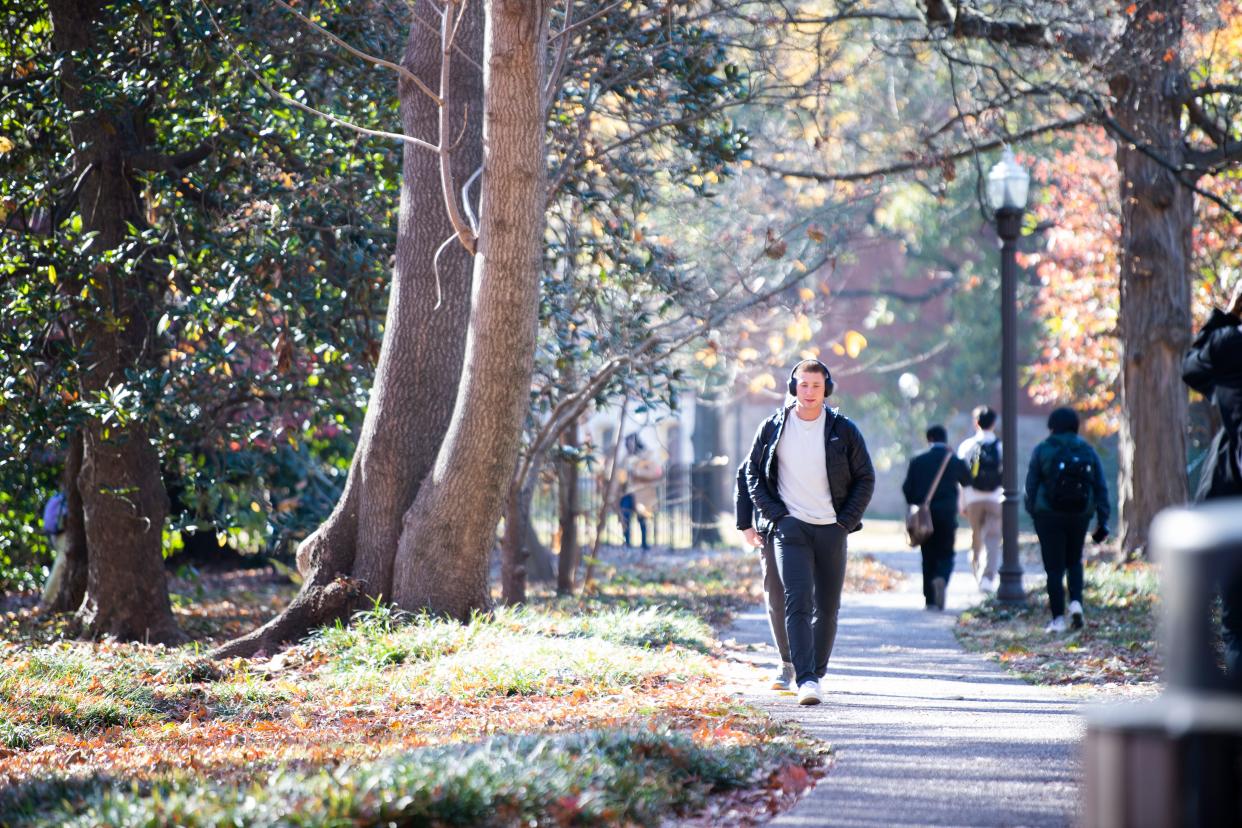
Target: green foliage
{"type": "Point", "coordinates": [593, 778]}
{"type": "Point", "coordinates": [263, 243]}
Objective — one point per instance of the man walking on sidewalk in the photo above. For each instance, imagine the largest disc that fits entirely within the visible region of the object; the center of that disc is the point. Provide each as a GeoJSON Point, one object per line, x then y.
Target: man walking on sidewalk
{"type": "Point", "coordinates": [810, 479]}
{"type": "Point", "coordinates": [981, 500]}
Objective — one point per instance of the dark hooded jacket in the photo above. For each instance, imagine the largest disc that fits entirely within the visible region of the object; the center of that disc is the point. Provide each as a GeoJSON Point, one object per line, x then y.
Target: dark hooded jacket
{"type": "Point", "coordinates": [851, 478]}
{"type": "Point", "coordinates": [1213, 367]}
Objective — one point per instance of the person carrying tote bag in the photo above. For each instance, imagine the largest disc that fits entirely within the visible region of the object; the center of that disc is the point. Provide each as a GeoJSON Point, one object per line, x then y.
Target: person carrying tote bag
{"type": "Point", "coordinates": [918, 518]}
{"type": "Point", "coordinates": [932, 522]}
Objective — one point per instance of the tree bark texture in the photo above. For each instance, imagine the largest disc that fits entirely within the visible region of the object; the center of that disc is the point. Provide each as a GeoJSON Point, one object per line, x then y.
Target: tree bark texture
{"type": "Point", "coordinates": [1155, 319]}
{"type": "Point", "coordinates": [451, 528]}
{"type": "Point", "coordinates": [124, 503]}
{"type": "Point", "coordinates": [67, 586]}
{"type": "Point", "coordinates": [349, 558]}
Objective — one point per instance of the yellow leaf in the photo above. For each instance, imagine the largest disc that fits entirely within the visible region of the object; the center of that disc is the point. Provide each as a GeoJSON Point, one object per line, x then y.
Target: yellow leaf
{"type": "Point", "coordinates": [763, 382]}
{"type": "Point", "coordinates": [806, 294]}
{"type": "Point", "coordinates": [5, 145]}
{"type": "Point", "coordinates": [51, 273]}
{"type": "Point", "coordinates": [854, 343]}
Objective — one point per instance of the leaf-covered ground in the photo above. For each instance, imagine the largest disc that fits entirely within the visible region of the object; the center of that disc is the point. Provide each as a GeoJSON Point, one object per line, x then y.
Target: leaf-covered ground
{"type": "Point", "coordinates": [1115, 653]}
{"type": "Point", "coordinates": [622, 681]}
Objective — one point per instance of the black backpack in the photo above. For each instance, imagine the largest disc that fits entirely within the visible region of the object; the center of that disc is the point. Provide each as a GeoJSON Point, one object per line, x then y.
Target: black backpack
{"type": "Point", "coordinates": [985, 466]}
{"type": "Point", "coordinates": [1071, 481]}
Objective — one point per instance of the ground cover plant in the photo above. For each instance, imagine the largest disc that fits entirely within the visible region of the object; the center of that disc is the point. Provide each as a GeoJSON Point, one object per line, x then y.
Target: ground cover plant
{"type": "Point", "coordinates": [1115, 653]}
{"type": "Point", "coordinates": [605, 707]}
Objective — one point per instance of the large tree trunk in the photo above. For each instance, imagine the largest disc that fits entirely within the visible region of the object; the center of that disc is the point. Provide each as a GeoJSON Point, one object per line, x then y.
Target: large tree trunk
{"type": "Point", "coordinates": [451, 528]}
{"type": "Point", "coordinates": [123, 499]}
{"type": "Point", "coordinates": [1157, 219]}
{"type": "Point", "coordinates": [350, 556]}
{"type": "Point", "coordinates": [66, 586]}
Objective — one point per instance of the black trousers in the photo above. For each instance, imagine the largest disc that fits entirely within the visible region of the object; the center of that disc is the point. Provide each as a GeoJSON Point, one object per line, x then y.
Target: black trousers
{"type": "Point", "coordinates": [811, 560]}
{"type": "Point", "coordinates": [1061, 538]}
{"type": "Point", "coordinates": [937, 552]}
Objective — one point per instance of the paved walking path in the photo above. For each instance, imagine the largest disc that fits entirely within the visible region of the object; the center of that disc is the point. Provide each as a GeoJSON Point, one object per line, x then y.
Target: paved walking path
{"type": "Point", "coordinates": [924, 733]}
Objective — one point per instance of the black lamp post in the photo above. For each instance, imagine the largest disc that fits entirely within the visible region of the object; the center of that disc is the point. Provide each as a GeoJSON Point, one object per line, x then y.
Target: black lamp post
{"type": "Point", "coordinates": [1008, 183]}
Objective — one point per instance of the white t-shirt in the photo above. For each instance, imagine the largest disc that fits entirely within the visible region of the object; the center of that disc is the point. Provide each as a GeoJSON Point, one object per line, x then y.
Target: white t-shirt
{"type": "Point", "coordinates": [801, 473]}
{"type": "Point", "coordinates": [969, 493]}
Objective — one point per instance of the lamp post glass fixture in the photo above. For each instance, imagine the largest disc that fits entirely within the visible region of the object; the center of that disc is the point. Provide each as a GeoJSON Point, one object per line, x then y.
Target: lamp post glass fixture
{"type": "Point", "coordinates": [1008, 183]}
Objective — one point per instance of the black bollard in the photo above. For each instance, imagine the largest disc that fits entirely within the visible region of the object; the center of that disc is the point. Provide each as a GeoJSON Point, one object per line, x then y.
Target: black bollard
{"type": "Point", "coordinates": [1176, 762]}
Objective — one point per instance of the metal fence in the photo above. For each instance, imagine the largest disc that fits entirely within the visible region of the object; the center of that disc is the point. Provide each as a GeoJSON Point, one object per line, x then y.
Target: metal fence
{"type": "Point", "coordinates": [670, 528]}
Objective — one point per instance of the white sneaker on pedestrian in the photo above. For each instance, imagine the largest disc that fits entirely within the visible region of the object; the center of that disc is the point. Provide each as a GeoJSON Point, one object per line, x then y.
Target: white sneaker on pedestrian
{"type": "Point", "coordinates": [1075, 611]}
{"type": "Point", "coordinates": [987, 584]}
{"type": "Point", "coordinates": [1056, 625]}
{"type": "Point", "coordinates": [782, 679]}
{"type": "Point", "coordinates": [808, 692]}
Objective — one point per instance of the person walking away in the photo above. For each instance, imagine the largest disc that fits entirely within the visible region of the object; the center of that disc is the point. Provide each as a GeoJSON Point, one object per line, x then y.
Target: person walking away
{"type": "Point", "coordinates": [1213, 367]}
{"type": "Point", "coordinates": [773, 589]}
{"type": "Point", "coordinates": [1064, 486]}
{"type": "Point", "coordinates": [937, 466]}
{"type": "Point", "coordinates": [810, 478]}
{"type": "Point", "coordinates": [981, 500]}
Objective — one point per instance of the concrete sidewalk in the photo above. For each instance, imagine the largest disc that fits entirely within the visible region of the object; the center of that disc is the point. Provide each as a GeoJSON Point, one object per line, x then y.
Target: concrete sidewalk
{"type": "Point", "coordinates": [923, 733]}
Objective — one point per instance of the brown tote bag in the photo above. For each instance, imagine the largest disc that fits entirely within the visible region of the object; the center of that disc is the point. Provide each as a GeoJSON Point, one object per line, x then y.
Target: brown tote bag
{"type": "Point", "coordinates": [918, 519]}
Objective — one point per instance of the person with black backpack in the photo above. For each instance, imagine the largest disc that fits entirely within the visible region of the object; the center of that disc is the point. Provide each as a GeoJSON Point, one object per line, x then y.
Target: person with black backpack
{"type": "Point", "coordinates": [981, 500]}
{"type": "Point", "coordinates": [1064, 487]}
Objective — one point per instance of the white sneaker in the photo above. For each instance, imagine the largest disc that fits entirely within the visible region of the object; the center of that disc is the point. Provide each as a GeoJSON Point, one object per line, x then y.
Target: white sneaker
{"type": "Point", "coordinates": [987, 584]}
{"type": "Point", "coordinates": [1056, 625]}
{"type": "Point", "coordinates": [1075, 611]}
{"type": "Point", "coordinates": [808, 692]}
{"type": "Point", "coordinates": [782, 679]}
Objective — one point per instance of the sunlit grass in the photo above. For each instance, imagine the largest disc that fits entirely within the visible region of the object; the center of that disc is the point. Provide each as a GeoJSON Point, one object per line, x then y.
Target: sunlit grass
{"type": "Point", "coordinates": [1116, 649]}
{"type": "Point", "coordinates": [600, 778]}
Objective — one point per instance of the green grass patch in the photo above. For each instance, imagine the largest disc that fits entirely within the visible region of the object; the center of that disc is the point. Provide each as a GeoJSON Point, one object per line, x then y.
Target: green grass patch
{"type": "Point", "coordinates": [1116, 647]}
{"type": "Point", "coordinates": [592, 778]}
{"type": "Point", "coordinates": [513, 652]}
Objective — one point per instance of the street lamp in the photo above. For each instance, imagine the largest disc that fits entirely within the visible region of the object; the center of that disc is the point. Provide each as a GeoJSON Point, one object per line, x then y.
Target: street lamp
{"type": "Point", "coordinates": [1008, 183]}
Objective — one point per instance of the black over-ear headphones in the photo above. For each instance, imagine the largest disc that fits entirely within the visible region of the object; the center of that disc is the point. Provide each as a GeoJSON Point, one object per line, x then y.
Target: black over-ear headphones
{"type": "Point", "coordinates": [829, 385]}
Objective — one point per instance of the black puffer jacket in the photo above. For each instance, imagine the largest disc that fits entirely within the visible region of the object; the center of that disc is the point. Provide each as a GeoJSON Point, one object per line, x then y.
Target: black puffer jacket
{"type": "Point", "coordinates": [1213, 367]}
{"type": "Point", "coordinates": [851, 477]}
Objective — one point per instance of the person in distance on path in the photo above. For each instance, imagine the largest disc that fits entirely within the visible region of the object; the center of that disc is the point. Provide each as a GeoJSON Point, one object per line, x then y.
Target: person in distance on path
{"type": "Point", "coordinates": [937, 550]}
{"type": "Point", "coordinates": [773, 589]}
{"type": "Point", "coordinates": [1064, 486]}
{"type": "Point", "coordinates": [981, 500]}
{"type": "Point", "coordinates": [810, 478]}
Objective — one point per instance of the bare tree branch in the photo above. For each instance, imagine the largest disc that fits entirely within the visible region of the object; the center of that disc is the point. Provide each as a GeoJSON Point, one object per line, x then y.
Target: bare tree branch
{"type": "Point", "coordinates": [358, 53]}
{"type": "Point", "coordinates": [927, 161]}
{"type": "Point", "coordinates": [449, 24]}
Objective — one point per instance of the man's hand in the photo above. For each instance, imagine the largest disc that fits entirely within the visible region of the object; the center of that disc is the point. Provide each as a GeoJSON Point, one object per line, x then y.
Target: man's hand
{"type": "Point", "coordinates": [1101, 533]}
{"type": "Point", "coordinates": [752, 538]}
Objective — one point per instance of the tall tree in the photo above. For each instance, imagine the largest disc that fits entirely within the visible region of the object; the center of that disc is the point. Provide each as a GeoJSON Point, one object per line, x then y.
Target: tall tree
{"type": "Point", "coordinates": [352, 554]}
{"type": "Point", "coordinates": [450, 529]}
